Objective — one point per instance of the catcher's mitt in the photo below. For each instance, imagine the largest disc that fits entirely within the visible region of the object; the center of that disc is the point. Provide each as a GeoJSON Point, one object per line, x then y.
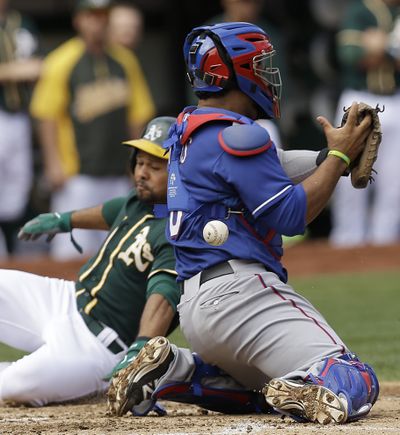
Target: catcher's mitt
{"type": "Point", "coordinates": [361, 169]}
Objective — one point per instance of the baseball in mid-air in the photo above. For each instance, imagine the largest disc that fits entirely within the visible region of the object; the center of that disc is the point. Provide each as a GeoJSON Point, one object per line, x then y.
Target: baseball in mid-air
{"type": "Point", "coordinates": [215, 233]}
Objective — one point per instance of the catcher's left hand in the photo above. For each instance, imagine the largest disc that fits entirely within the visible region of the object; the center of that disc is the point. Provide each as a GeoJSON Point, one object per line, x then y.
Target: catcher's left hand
{"type": "Point", "coordinates": [361, 169]}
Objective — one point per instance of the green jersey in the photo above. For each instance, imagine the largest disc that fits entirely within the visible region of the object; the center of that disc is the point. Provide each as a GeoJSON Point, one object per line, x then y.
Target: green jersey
{"type": "Point", "coordinates": [362, 15]}
{"type": "Point", "coordinates": [18, 40]}
{"type": "Point", "coordinates": [134, 262]}
{"type": "Point", "coordinates": [93, 100]}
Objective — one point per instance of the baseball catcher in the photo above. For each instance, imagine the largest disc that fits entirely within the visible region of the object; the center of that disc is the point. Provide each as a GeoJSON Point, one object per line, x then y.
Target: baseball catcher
{"type": "Point", "coordinates": [237, 309]}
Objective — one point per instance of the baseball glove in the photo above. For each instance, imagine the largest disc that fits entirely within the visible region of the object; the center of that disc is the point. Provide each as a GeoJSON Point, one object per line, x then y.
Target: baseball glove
{"type": "Point", "coordinates": [361, 169]}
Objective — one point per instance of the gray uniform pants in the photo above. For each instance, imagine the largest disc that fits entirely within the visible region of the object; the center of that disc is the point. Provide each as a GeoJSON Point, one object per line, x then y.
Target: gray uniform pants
{"type": "Point", "coordinates": [251, 325]}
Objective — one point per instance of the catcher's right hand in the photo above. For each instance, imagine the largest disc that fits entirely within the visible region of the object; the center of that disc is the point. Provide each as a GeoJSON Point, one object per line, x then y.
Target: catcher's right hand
{"type": "Point", "coordinates": [46, 223]}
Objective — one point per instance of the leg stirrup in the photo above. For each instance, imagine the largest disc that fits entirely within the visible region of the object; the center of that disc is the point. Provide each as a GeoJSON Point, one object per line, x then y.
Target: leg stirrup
{"type": "Point", "coordinates": [214, 399]}
{"type": "Point", "coordinates": [227, 401]}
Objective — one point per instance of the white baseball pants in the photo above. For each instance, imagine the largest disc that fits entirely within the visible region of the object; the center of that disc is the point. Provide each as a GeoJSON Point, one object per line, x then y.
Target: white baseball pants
{"type": "Point", "coordinates": [39, 315]}
{"type": "Point", "coordinates": [371, 215]}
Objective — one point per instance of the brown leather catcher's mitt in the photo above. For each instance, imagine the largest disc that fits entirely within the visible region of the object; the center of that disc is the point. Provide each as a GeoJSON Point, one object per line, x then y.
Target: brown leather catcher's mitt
{"type": "Point", "coordinates": [361, 169]}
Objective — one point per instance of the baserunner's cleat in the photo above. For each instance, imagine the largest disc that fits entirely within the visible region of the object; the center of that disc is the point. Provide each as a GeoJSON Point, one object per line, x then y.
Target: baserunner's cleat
{"type": "Point", "coordinates": [136, 383]}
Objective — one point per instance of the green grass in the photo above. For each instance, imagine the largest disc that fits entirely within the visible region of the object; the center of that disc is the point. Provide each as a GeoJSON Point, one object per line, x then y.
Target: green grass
{"type": "Point", "coordinates": [364, 309]}
{"type": "Point", "coordinates": [9, 354]}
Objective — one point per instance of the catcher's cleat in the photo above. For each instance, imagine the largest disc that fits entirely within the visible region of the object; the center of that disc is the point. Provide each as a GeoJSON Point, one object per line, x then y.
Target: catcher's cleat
{"type": "Point", "coordinates": [305, 402]}
{"type": "Point", "coordinates": [132, 388]}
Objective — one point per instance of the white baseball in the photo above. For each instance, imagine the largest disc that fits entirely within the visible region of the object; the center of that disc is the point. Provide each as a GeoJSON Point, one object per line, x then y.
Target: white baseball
{"type": "Point", "coordinates": [215, 233]}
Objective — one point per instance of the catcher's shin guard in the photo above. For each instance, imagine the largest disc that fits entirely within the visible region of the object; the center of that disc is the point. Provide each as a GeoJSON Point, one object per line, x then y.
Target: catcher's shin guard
{"type": "Point", "coordinates": [354, 382]}
{"type": "Point", "coordinates": [224, 400]}
{"type": "Point", "coordinates": [335, 390]}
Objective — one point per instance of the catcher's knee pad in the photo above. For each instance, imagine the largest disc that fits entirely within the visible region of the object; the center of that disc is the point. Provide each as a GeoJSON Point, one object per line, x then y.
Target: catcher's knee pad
{"type": "Point", "coordinates": [349, 379]}
{"type": "Point", "coordinates": [227, 401]}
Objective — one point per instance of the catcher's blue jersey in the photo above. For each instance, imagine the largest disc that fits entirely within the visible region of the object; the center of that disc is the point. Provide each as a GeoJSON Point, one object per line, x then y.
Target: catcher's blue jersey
{"type": "Point", "coordinates": [251, 193]}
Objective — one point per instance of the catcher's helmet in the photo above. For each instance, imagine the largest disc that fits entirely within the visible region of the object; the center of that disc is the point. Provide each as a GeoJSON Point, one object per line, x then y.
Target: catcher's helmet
{"type": "Point", "coordinates": [229, 55]}
{"type": "Point", "coordinates": [155, 133]}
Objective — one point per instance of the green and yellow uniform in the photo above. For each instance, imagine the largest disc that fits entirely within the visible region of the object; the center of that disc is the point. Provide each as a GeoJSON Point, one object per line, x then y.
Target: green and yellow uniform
{"type": "Point", "coordinates": [18, 40]}
{"type": "Point", "coordinates": [93, 99]}
{"type": "Point", "coordinates": [371, 74]}
{"type": "Point", "coordinates": [18, 45]}
{"type": "Point", "coordinates": [384, 78]}
{"type": "Point", "coordinates": [91, 103]}
{"type": "Point", "coordinates": [134, 262]}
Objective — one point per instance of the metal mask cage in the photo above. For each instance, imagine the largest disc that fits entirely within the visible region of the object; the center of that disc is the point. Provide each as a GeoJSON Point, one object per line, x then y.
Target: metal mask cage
{"type": "Point", "coordinates": [270, 75]}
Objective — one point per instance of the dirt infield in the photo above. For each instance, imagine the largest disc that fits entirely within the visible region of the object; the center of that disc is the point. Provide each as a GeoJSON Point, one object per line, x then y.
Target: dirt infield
{"type": "Point", "coordinates": [319, 257]}
{"type": "Point", "coordinates": [90, 417]}
{"type": "Point", "coordinates": [302, 259]}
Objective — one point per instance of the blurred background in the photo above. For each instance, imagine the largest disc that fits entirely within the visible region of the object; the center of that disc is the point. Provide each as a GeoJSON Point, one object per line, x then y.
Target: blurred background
{"type": "Point", "coordinates": [303, 32]}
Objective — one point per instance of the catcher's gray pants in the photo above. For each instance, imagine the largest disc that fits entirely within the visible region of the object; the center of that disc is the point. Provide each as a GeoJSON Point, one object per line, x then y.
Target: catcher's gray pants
{"type": "Point", "coordinates": [251, 325]}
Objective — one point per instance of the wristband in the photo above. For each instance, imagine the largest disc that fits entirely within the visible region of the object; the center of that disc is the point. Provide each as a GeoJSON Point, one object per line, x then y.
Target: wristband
{"type": "Point", "coordinates": [138, 344]}
{"type": "Point", "coordinates": [142, 338]}
{"type": "Point", "coordinates": [321, 156]}
{"type": "Point", "coordinates": [64, 221]}
{"type": "Point", "coordinates": [65, 224]}
{"type": "Point", "coordinates": [340, 155]}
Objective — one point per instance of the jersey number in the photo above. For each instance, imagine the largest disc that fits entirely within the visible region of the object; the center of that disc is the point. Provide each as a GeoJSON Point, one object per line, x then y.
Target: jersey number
{"type": "Point", "coordinates": [175, 222]}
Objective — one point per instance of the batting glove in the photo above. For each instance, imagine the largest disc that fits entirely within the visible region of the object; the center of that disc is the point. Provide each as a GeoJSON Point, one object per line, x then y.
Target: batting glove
{"type": "Point", "coordinates": [46, 223]}
{"type": "Point", "coordinates": [129, 357]}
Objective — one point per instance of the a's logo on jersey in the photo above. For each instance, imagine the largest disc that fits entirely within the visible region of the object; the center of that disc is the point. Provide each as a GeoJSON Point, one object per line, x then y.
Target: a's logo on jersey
{"type": "Point", "coordinates": [97, 98]}
{"type": "Point", "coordinates": [138, 252]}
{"type": "Point", "coordinates": [153, 133]}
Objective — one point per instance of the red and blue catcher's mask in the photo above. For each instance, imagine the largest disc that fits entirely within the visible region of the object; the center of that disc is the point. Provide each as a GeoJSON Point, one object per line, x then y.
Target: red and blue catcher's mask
{"type": "Point", "coordinates": [234, 55]}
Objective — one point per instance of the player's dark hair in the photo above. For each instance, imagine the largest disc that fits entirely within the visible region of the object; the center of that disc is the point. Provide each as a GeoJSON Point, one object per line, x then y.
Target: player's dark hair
{"type": "Point", "coordinates": [132, 160]}
{"type": "Point", "coordinates": [204, 95]}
